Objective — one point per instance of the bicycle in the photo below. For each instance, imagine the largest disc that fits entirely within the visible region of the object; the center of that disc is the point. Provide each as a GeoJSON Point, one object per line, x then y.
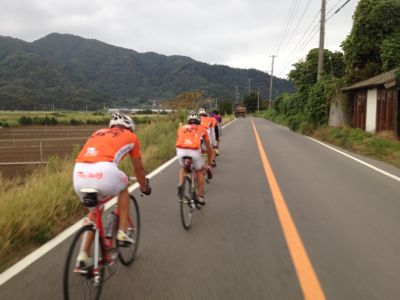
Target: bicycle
{"type": "Point", "coordinates": [188, 200]}
{"type": "Point", "coordinates": [86, 281]}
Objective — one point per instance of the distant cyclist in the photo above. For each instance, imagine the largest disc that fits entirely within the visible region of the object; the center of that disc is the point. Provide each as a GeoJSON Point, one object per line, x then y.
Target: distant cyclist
{"type": "Point", "coordinates": [211, 125]}
{"type": "Point", "coordinates": [97, 167]}
{"type": "Point", "coordinates": [188, 144]}
{"type": "Point", "coordinates": [218, 131]}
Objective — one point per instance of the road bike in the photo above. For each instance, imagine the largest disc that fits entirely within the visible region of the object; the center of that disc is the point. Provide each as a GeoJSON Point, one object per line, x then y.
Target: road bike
{"type": "Point", "coordinates": [85, 281]}
{"type": "Point", "coordinates": [188, 198]}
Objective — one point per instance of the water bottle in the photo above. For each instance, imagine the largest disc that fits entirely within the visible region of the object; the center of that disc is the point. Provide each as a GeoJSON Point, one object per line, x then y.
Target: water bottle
{"type": "Point", "coordinates": [110, 225]}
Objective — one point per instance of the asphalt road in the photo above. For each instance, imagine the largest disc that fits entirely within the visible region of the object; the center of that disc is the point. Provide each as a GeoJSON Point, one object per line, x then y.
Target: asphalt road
{"type": "Point", "coordinates": [346, 214]}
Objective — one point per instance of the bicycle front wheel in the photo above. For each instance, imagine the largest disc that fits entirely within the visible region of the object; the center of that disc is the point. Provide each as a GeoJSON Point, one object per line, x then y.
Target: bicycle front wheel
{"type": "Point", "coordinates": [185, 203]}
{"type": "Point", "coordinates": [127, 252]}
{"type": "Point", "coordinates": [81, 280]}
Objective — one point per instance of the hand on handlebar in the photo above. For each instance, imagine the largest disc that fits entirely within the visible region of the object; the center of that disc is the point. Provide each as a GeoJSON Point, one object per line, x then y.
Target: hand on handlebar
{"type": "Point", "coordinates": [147, 191]}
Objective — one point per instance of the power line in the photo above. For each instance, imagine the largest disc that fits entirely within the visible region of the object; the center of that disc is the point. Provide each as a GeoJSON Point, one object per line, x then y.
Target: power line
{"type": "Point", "coordinates": [339, 9]}
{"type": "Point", "coordinates": [303, 43]}
{"type": "Point", "coordinates": [292, 16]}
{"type": "Point", "coordinates": [284, 26]}
{"type": "Point", "coordinates": [298, 23]}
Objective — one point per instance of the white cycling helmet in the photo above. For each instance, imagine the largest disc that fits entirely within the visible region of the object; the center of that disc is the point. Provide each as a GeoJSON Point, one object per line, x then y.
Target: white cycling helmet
{"type": "Point", "coordinates": [202, 112]}
{"type": "Point", "coordinates": [193, 118]}
{"type": "Point", "coordinates": [118, 119]}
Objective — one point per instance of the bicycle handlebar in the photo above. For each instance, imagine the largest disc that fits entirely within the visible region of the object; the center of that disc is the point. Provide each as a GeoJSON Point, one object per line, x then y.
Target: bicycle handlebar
{"type": "Point", "coordinates": [134, 178]}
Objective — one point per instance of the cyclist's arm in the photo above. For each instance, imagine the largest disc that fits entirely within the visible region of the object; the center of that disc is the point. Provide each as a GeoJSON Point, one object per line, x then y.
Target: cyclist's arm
{"type": "Point", "coordinates": [136, 158]}
{"type": "Point", "coordinates": [216, 132]}
{"type": "Point", "coordinates": [139, 172]}
{"type": "Point", "coordinates": [210, 152]}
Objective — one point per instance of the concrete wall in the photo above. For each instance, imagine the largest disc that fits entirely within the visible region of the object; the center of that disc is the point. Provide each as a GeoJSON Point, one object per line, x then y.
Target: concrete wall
{"type": "Point", "coordinates": [372, 99]}
{"type": "Point", "coordinates": [336, 112]}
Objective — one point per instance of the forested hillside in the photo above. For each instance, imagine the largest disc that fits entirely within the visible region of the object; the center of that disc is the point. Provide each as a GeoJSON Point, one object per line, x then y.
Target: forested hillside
{"type": "Point", "coordinates": [73, 72]}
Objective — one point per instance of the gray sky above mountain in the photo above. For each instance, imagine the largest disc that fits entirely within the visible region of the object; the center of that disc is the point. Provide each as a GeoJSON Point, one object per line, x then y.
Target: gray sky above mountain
{"type": "Point", "coordinates": [237, 33]}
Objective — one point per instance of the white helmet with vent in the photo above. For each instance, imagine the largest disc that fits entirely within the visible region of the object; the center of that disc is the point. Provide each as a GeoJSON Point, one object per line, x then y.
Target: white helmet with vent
{"type": "Point", "coordinates": [193, 118]}
{"type": "Point", "coordinates": [118, 119]}
{"type": "Point", "coordinates": [202, 112]}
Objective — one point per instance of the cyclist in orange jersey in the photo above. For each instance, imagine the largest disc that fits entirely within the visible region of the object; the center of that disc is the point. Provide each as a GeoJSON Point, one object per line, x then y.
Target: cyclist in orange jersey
{"type": "Point", "coordinates": [217, 126]}
{"type": "Point", "coordinates": [188, 144]}
{"type": "Point", "coordinates": [211, 125]}
{"type": "Point", "coordinates": [97, 167]}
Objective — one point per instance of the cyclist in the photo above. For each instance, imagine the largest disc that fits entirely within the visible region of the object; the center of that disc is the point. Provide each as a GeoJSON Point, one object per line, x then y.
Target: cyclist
{"type": "Point", "coordinates": [218, 133]}
{"type": "Point", "coordinates": [97, 167]}
{"type": "Point", "coordinates": [188, 144]}
{"type": "Point", "coordinates": [210, 124]}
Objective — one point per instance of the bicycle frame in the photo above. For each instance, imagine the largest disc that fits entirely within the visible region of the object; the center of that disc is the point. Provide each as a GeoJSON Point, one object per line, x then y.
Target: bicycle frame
{"type": "Point", "coordinates": [99, 235]}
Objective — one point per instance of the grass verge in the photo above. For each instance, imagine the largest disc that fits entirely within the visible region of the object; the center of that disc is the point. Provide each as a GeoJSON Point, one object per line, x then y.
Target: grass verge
{"type": "Point", "coordinates": [383, 146]}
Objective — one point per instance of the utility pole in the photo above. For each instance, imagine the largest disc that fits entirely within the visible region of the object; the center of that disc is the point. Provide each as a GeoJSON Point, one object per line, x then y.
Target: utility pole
{"type": "Point", "coordinates": [249, 84]}
{"type": "Point", "coordinates": [321, 41]}
{"type": "Point", "coordinates": [258, 100]}
{"type": "Point", "coordinates": [270, 81]}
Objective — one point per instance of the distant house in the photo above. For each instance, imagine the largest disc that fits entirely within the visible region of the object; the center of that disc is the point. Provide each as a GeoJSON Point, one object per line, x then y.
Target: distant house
{"type": "Point", "coordinates": [375, 103]}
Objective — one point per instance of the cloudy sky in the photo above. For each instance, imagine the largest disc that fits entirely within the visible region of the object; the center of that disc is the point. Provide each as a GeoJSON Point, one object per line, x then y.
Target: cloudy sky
{"type": "Point", "coordinates": [237, 33]}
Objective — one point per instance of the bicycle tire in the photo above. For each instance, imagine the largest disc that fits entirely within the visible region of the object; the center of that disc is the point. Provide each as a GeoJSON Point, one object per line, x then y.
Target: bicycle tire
{"type": "Point", "coordinates": [186, 210]}
{"type": "Point", "coordinates": [127, 252]}
{"type": "Point", "coordinates": [81, 286]}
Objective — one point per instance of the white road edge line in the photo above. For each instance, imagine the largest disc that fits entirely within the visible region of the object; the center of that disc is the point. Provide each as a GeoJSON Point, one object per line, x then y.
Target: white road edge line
{"type": "Point", "coordinates": [358, 160]}
{"type": "Point", "coordinates": [38, 253]}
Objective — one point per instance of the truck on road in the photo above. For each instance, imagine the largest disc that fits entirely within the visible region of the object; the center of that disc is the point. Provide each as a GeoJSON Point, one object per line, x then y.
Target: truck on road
{"type": "Point", "coordinates": [240, 111]}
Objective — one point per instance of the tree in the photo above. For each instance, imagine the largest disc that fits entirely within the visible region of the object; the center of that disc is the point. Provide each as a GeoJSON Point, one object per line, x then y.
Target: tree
{"type": "Point", "coordinates": [374, 35]}
{"type": "Point", "coordinates": [390, 52]}
{"type": "Point", "coordinates": [304, 74]}
{"type": "Point", "coordinates": [251, 101]}
{"type": "Point", "coordinates": [226, 107]}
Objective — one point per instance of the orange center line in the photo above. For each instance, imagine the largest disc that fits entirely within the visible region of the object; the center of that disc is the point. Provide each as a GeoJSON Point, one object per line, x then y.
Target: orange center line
{"type": "Point", "coordinates": [308, 280]}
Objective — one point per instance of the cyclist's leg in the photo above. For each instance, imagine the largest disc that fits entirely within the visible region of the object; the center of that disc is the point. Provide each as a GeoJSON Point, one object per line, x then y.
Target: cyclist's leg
{"type": "Point", "coordinates": [180, 153]}
{"type": "Point", "coordinates": [198, 165]}
{"type": "Point", "coordinates": [123, 208]}
{"type": "Point", "coordinates": [200, 183]}
{"type": "Point", "coordinates": [82, 180]}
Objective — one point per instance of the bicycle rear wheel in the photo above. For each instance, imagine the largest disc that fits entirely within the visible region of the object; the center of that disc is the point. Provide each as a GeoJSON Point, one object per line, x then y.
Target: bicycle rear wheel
{"type": "Point", "coordinates": [127, 252]}
{"type": "Point", "coordinates": [79, 279]}
{"type": "Point", "coordinates": [185, 203]}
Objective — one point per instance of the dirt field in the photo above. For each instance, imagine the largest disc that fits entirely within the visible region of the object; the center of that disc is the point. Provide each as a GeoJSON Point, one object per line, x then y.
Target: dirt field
{"type": "Point", "coordinates": [24, 148]}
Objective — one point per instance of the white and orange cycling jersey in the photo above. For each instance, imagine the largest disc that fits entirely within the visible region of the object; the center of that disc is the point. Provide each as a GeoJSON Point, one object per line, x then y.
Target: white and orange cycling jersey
{"type": "Point", "coordinates": [209, 123]}
{"type": "Point", "coordinates": [97, 164]}
{"type": "Point", "coordinates": [190, 136]}
{"type": "Point", "coordinates": [189, 142]}
{"type": "Point", "coordinates": [109, 144]}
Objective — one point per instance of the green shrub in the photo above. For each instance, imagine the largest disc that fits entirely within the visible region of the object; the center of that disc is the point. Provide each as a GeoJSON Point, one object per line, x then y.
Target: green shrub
{"type": "Point", "coordinates": [44, 121]}
{"type": "Point", "coordinates": [294, 122]}
{"type": "Point", "coordinates": [75, 122]}
{"type": "Point", "coordinates": [25, 121]}
{"type": "Point", "coordinates": [4, 124]}
{"type": "Point", "coordinates": [306, 128]}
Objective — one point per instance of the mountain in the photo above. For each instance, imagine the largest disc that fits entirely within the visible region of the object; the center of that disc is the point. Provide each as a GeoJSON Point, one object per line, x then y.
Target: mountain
{"type": "Point", "coordinates": [72, 72]}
